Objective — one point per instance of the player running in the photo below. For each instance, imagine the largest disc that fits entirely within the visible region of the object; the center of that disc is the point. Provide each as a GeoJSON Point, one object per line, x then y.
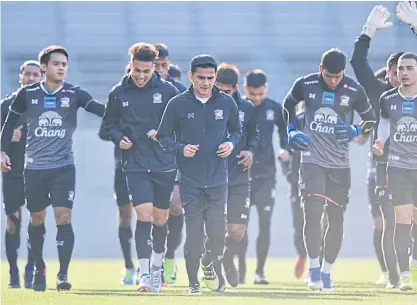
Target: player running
{"type": "Point", "coordinates": [13, 182]}
{"type": "Point", "coordinates": [330, 100]}
{"type": "Point", "coordinates": [50, 111]}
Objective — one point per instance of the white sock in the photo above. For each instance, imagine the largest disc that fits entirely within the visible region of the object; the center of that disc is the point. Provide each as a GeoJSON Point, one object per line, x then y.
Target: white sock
{"type": "Point", "coordinates": [413, 263]}
{"type": "Point", "coordinates": [144, 266]}
{"type": "Point", "coordinates": [326, 267]}
{"type": "Point", "coordinates": [314, 262]}
{"type": "Point", "coordinates": [157, 259]}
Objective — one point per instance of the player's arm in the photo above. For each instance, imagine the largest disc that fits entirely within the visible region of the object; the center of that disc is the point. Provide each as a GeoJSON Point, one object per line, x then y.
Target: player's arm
{"type": "Point", "coordinates": [17, 108]}
{"type": "Point", "coordinates": [86, 101]}
{"type": "Point", "coordinates": [110, 124]}
{"type": "Point", "coordinates": [166, 131]}
{"type": "Point", "coordinates": [296, 139]}
{"type": "Point", "coordinates": [234, 125]}
{"type": "Point", "coordinates": [383, 127]}
{"type": "Point", "coordinates": [5, 105]}
{"type": "Point", "coordinates": [282, 128]}
{"type": "Point", "coordinates": [253, 131]}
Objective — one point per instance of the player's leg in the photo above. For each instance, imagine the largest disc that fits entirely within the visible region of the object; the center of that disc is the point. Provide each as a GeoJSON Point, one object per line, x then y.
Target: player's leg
{"type": "Point", "coordinates": [237, 214]}
{"type": "Point", "coordinates": [215, 224]}
{"type": "Point", "coordinates": [377, 223]}
{"type": "Point", "coordinates": [401, 186]}
{"type": "Point", "coordinates": [413, 259]}
{"type": "Point", "coordinates": [13, 199]}
{"type": "Point", "coordinates": [62, 194]}
{"type": "Point", "coordinates": [264, 201]}
{"type": "Point", "coordinates": [174, 237]}
{"type": "Point", "coordinates": [162, 185]}
{"type": "Point", "coordinates": [298, 225]}
{"type": "Point", "coordinates": [125, 209]}
{"type": "Point", "coordinates": [313, 187]}
{"type": "Point", "coordinates": [194, 204]}
{"type": "Point", "coordinates": [37, 197]}
{"type": "Point", "coordinates": [388, 214]}
{"type": "Point", "coordinates": [141, 192]}
{"type": "Point", "coordinates": [337, 192]}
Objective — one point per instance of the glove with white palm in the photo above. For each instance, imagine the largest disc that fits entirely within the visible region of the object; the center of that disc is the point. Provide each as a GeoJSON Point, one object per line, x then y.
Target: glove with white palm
{"type": "Point", "coordinates": [407, 13]}
{"type": "Point", "coordinates": [377, 20]}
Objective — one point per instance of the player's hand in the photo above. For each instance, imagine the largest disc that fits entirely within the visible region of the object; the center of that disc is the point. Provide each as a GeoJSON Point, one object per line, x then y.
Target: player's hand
{"type": "Point", "coordinates": [225, 149]}
{"type": "Point", "coordinates": [284, 155]}
{"type": "Point", "coordinates": [297, 140]}
{"type": "Point", "coordinates": [152, 134]}
{"type": "Point", "coordinates": [6, 165]}
{"type": "Point", "coordinates": [17, 134]}
{"type": "Point", "coordinates": [190, 150]}
{"type": "Point", "coordinates": [377, 20]}
{"type": "Point", "coordinates": [378, 148]}
{"type": "Point", "coordinates": [247, 159]}
{"type": "Point", "coordinates": [361, 140]}
{"type": "Point", "coordinates": [407, 13]}
{"type": "Point", "coordinates": [125, 143]}
{"type": "Point", "coordinates": [344, 132]}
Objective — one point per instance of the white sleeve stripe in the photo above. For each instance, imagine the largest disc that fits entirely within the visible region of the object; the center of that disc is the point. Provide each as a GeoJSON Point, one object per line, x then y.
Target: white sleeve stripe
{"type": "Point", "coordinates": [14, 111]}
{"type": "Point", "coordinates": [88, 103]}
{"type": "Point", "coordinates": [367, 110]}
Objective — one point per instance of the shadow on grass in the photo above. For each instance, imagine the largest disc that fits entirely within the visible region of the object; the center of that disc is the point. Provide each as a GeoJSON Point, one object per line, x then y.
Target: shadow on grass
{"type": "Point", "coordinates": [277, 294]}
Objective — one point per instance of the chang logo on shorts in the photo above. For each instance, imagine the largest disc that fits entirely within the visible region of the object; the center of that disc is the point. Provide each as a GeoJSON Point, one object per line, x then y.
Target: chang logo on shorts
{"type": "Point", "coordinates": [406, 130]}
{"type": "Point", "coordinates": [324, 120]}
{"type": "Point", "coordinates": [50, 125]}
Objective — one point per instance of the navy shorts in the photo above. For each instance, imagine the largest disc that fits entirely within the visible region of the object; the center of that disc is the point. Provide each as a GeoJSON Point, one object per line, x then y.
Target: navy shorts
{"type": "Point", "coordinates": [121, 191]}
{"type": "Point", "coordinates": [402, 184]}
{"type": "Point", "coordinates": [196, 200]}
{"type": "Point", "coordinates": [238, 203]}
{"type": "Point", "coordinates": [331, 184]}
{"type": "Point", "coordinates": [155, 187]}
{"type": "Point", "coordinates": [13, 193]}
{"type": "Point", "coordinates": [372, 196]}
{"type": "Point", "coordinates": [45, 187]}
{"type": "Point", "coordinates": [262, 193]}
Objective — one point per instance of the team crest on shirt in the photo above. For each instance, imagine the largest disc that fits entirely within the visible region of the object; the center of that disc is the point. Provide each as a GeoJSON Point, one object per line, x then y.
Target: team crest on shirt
{"type": "Point", "coordinates": [270, 115]}
{"type": "Point", "coordinates": [218, 114]}
{"type": "Point", "coordinates": [241, 115]}
{"type": "Point", "coordinates": [344, 100]}
{"type": "Point", "coordinates": [157, 98]}
{"type": "Point", "coordinates": [65, 102]}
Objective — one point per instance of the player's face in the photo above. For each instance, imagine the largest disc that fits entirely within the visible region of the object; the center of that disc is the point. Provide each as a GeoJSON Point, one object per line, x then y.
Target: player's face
{"type": "Point", "coordinates": [332, 79]}
{"type": "Point", "coordinates": [203, 80]}
{"type": "Point", "coordinates": [31, 74]}
{"type": "Point", "coordinates": [407, 71]}
{"type": "Point", "coordinates": [57, 67]}
{"type": "Point", "coordinates": [141, 72]}
{"type": "Point", "coordinates": [256, 95]}
{"type": "Point", "coordinates": [228, 89]}
{"type": "Point", "coordinates": [393, 77]}
{"type": "Point", "coordinates": [162, 66]}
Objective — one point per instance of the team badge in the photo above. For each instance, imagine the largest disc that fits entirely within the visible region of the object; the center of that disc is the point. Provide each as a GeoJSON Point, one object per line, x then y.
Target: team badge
{"type": "Point", "coordinates": [344, 100]}
{"type": "Point", "coordinates": [65, 102]}
{"type": "Point", "coordinates": [157, 98]}
{"type": "Point", "coordinates": [218, 114]}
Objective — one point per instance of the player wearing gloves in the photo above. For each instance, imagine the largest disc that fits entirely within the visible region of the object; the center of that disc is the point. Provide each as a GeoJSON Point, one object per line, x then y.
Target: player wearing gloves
{"type": "Point", "coordinates": [330, 100]}
{"type": "Point", "coordinates": [407, 13]}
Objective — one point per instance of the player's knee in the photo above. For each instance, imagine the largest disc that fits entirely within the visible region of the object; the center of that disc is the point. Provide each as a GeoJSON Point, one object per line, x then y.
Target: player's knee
{"type": "Point", "coordinates": [415, 215]}
{"type": "Point", "coordinates": [175, 208]}
{"type": "Point", "coordinates": [378, 223]}
{"type": "Point", "coordinates": [62, 215]}
{"type": "Point", "coordinates": [144, 212]}
{"type": "Point", "coordinates": [13, 222]}
{"type": "Point", "coordinates": [37, 218]}
{"type": "Point", "coordinates": [403, 213]}
{"type": "Point", "coordinates": [236, 231]}
{"type": "Point", "coordinates": [159, 217]}
{"type": "Point", "coordinates": [125, 215]}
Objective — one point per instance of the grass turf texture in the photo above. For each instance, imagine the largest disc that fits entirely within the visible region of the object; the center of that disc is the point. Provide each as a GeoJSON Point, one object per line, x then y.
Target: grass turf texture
{"type": "Point", "coordinates": [97, 282]}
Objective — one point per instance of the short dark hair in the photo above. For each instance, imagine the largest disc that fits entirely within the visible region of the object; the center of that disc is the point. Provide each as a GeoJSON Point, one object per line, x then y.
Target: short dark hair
{"type": "Point", "coordinates": [162, 49]}
{"type": "Point", "coordinates": [174, 71]}
{"type": "Point", "coordinates": [228, 74]}
{"type": "Point", "coordinates": [255, 78]}
{"type": "Point", "coordinates": [381, 73]}
{"type": "Point", "coordinates": [142, 51]}
{"type": "Point", "coordinates": [29, 63]}
{"type": "Point", "coordinates": [409, 55]}
{"type": "Point", "coordinates": [334, 60]}
{"type": "Point", "coordinates": [203, 61]}
{"type": "Point", "coordinates": [393, 59]}
{"type": "Point", "coordinates": [45, 54]}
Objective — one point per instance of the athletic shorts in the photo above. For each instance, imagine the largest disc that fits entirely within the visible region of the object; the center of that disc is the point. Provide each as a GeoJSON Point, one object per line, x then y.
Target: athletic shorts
{"type": "Point", "coordinates": [121, 191]}
{"type": "Point", "coordinates": [262, 193]}
{"type": "Point", "coordinates": [238, 203]}
{"type": "Point", "coordinates": [13, 193]}
{"type": "Point", "coordinates": [402, 185]}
